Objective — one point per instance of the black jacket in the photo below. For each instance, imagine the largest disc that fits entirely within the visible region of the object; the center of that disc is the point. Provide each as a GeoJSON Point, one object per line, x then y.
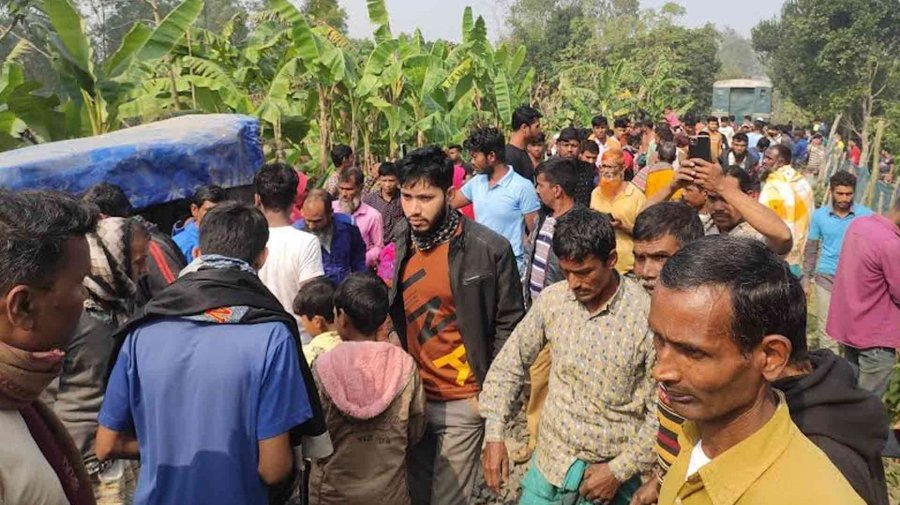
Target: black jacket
{"type": "Point", "coordinates": [847, 423]}
{"type": "Point", "coordinates": [484, 280]}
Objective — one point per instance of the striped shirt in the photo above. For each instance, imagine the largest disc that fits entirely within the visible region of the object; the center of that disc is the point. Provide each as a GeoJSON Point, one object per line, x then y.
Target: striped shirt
{"type": "Point", "coordinates": [601, 404]}
{"type": "Point", "coordinates": [541, 252]}
{"type": "Point", "coordinates": [667, 447]}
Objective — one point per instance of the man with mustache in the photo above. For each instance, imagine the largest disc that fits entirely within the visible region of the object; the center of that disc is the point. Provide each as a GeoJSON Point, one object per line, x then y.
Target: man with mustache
{"type": "Point", "coordinates": [363, 216]}
{"type": "Point", "coordinates": [621, 200]}
{"type": "Point", "coordinates": [455, 298]}
{"type": "Point", "coordinates": [598, 422]}
{"type": "Point", "coordinates": [44, 257]}
{"type": "Point", "coordinates": [343, 249]}
{"type": "Point", "coordinates": [828, 227]}
{"type": "Point", "coordinates": [728, 317]}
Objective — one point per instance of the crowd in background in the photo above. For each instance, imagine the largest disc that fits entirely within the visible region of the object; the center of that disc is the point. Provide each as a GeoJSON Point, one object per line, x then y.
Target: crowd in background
{"type": "Point", "coordinates": [641, 285]}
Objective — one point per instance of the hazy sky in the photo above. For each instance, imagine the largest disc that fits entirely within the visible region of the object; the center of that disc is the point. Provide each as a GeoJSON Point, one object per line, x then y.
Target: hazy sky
{"type": "Point", "coordinates": [443, 18]}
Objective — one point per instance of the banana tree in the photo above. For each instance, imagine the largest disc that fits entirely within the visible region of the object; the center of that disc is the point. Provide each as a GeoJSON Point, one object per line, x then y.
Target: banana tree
{"type": "Point", "coordinates": [95, 90]}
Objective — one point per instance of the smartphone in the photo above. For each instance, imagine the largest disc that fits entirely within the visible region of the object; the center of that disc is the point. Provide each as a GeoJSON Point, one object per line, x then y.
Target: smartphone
{"type": "Point", "coordinates": [698, 147]}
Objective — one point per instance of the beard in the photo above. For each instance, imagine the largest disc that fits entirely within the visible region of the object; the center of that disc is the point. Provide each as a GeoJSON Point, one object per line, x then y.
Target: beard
{"type": "Point", "coordinates": [610, 188]}
{"type": "Point", "coordinates": [433, 225]}
{"type": "Point", "coordinates": [350, 206]}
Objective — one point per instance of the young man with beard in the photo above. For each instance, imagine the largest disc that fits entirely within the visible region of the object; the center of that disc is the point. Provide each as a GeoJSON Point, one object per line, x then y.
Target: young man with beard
{"type": "Point", "coordinates": [567, 143]}
{"type": "Point", "coordinates": [208, 386]}
{"type": "Point", "coordinates": [386, 199]}
{"type": "Point", "coordinates": [364, 217]}
{"type": "Point", "coordinates": [526, 126]}
{"type": "Point", "coordinates": [828, 227]}
{"type": "Point", "coordinates": [503, 200]}
{"type": "Point", "coordinates": [455, 298]}
{"type": "Point", "coordinates": [343, 249]}
{"type": "Point", "coordinates": [787, 192]}
{"type": "Point", "coordinates": [738, 154]}
{"type": "Point", "coordinates": [622, 201]}
{"type": "Point", "coordinates": [293, 255]}
{"type": "Point", "coordinates": [601, 355]}
{"type": "Point", "coordinates": [728, 317]}
{"type": "Point", "coordinates": [44, 258]}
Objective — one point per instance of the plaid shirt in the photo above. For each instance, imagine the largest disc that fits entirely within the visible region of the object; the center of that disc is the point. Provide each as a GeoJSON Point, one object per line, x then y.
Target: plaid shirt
{"type": "Point", "coordinates": [602, 400]}
{"type": "Point", "coordinates": [391, 212]}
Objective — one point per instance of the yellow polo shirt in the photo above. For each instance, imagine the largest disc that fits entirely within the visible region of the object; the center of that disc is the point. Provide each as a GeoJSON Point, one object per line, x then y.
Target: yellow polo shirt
{"type": "Point", "coordinates": [625, 207]}
{"type": "Point", "coordinates": [776, 465]}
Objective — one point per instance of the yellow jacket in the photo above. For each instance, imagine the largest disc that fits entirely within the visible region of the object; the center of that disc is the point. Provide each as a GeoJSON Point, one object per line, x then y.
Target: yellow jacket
{"type": "Point", "coordinates": [777, 465]}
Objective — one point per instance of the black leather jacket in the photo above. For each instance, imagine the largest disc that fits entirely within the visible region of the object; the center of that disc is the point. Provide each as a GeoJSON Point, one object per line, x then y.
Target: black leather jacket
{"type": "Point", "coordinates": [484, 280]}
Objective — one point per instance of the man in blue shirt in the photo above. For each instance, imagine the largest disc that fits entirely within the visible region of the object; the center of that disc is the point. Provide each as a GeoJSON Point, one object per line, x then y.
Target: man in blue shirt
{"type": "Point", "coordinates": [504, 201]}
{"type": "Point", "coordinates": [343, 249]}
{"type": "Point", "coordinates": [208, 385]}
{"type": "Point", "coordinates": [187, 235]}
{"type": "Point", "coordinates": [829, 224]}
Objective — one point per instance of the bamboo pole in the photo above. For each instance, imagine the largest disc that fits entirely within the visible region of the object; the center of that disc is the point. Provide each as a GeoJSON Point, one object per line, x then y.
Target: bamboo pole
{"type": "Point", "coordinates": [873, 170]}
{"type": "Point", "coordinates": [831, 159]}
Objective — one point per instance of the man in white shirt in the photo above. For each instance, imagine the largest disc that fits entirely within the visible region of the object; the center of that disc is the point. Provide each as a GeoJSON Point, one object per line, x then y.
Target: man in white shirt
{"type": "Point", "coordinates": [295, 256]}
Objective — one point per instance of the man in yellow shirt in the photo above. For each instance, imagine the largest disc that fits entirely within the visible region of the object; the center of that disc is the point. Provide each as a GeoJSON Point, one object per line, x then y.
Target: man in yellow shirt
{"type": "Point", "coordinates": [725, 314]}
{"type": "Point", "coordinates": [620, 199]}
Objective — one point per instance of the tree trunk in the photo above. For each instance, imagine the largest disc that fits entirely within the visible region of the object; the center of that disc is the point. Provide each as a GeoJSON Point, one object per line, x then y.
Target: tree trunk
{"type": "Point", "coordinates": [873, 170]}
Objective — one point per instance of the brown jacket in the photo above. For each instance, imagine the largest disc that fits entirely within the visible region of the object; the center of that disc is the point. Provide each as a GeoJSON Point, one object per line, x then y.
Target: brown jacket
{"type": "Point", "coordinates": [374, 406]}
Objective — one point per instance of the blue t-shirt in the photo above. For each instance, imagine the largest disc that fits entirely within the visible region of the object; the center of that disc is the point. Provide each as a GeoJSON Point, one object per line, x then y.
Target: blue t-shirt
{"type": "Point", "coordinates": [830, 229]}
{"type": "Point", "coordinates": [199, 397]}
{"type": "Point", "coordinates": [502, 208]}
{"type": "Point", "coordinates": [187, 239]}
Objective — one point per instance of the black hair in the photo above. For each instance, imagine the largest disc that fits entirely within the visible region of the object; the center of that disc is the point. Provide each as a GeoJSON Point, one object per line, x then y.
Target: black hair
{"type": "Point", "coordinates": [620, 122]}
{"type": "Point", "coordinates": [524, 115]}
{"type": "Point", "coordinates": [109, 198]}
{"type": "Point", "coordinates": [353, 175]}
{"type": "Point", "coordinates": [766, 298]}
{"type": "Point", "coordinates": [745, 182]}
{"type": "Point", "coordinates": [541, 139]}
{"type": "Point", "coordinates": [322, 196]}
{"type": "Point", "coordinates": [387, 169]}
{"type": "Point", "coordinates": [817, 136]}
{"type": "Point", "coordinates": [689, 119]}
{"type": "Point", "coordinates": [454, 146]}
{"type": "Point", "coordinates": [842, 178]}
{"type": "Point", "coordinates": [560, 171]}
{"type": "Point", "coordinates": [712, 118]}
{"type": "Point", "coordinates": [762, 144]}
{"type": "Point", "coordinates": [486, 140]}
{"type": "Point", "coordinates": [569, 133]}
{"type": "Point", "coordinates": [363, 297]}
{"type": "Point", "coordinates": [598, 121]}
{"type": "Point", "coordinates": [664, 133]}
{"type": "Point", "coordinates": [429, 164]}
{"type": "Point", "coordinates": [339, 153]}
{"type": "Point", "coordinates": [583, 232]}
{"type": "Point", "coordinates": [731, 118]}
{"type": "Point", "coordinates": [740, 137]}
{"type": "Point", "coordinates": [635, 140]}
{"type": "Point", "coordinates": [276, 185]}
{"type": "Point", "coordinates": [211, 193]}
{"type": "Point", "coordinates": [589, 146]}
{"type": "Point", "coordinates": [667, 152]}
{"type": "Point", "coordinates": [315, 298]}
{"type": "Point", "coordinates": [725, 118]}
{"type": "Point", "coordinates": [235, 230]}
{"type": "Point", "coordinates": [784, 152]}
{"type": "Point", "coordinates": [668, 218]}
{"type": "Point", "coordinates": [35, 226]}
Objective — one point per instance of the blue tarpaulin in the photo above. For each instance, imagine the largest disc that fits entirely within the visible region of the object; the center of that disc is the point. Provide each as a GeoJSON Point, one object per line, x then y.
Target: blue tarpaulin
{"type": "Point", "coordinates": [154, 163]}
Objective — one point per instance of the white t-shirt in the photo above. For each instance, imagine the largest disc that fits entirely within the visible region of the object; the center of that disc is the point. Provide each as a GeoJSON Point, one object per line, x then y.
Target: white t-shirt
{"type": "Point", "coordinates": [25, 474]}
{"type": "Point", "coordinates": [698, 460]}
{"type": "Point", "coordinates": [294, 257]}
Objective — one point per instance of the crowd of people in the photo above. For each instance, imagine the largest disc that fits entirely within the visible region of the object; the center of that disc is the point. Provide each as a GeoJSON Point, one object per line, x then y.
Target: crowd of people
{"type": "Point", "coordinates": [370, 341]}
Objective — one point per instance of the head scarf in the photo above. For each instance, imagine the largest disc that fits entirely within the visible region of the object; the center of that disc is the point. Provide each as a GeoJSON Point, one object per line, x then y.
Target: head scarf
{"type": "Point", "coordinates": [111, 291]}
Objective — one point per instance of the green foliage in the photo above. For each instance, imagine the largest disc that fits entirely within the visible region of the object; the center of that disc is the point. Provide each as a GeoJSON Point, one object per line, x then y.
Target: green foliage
{"type": "Point", "coordinates": [738, 58]}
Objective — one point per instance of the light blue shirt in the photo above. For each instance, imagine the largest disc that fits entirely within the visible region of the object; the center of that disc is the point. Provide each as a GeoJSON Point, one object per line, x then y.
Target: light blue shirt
{"type": "Point", "coordinates": [829, 228]}
{"type": "Point", "coordinates": [502, 207]}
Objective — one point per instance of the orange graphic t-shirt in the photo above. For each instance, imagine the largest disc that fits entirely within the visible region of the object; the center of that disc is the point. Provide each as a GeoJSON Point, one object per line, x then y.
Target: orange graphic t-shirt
{"type": "Point", "coordinates": [432, 331]}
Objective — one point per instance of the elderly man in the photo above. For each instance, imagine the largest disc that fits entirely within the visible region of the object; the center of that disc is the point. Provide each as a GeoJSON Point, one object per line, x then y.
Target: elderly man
{"type": "Point", "coordinates": [343, 249]}
{"type": "Point", "coordinates": [367, 219]}
{"type": "Point", "coordinates": [620, 199]}
{"type": "Point", "coordinates": [599, 422]}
